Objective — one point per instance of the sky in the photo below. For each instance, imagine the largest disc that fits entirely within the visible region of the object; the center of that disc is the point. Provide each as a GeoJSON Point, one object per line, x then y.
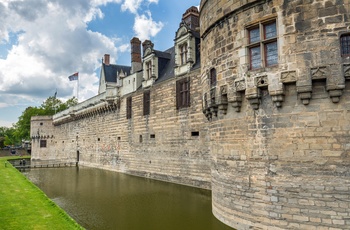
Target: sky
{"type": "Point", "coordinates": [42, 42]}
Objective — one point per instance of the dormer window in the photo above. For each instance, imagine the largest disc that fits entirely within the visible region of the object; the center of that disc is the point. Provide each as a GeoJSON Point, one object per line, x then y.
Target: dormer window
{"type": "Point", "coordinates": [149, 69]}
{"type": "Point", "coordinates": [183, 53]}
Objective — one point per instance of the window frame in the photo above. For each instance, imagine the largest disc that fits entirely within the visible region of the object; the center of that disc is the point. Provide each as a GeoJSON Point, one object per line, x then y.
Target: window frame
{"type": "Point", "coordinates": [345, 41]}
{"type": "Point", "coordinates": [128, 107]}
{"type": "Point", "coordinates": [146, 103]}
{"type": "Point", "coordinates": [183, 93]}
{"type": "Point", "coordinates": [149, 69]}
{"type": "Point", "coordinates": [43, 143]}
{"type": "Point", "coordinates": [183, 53]}
{"type": "Point", "coordinates": [262, 42]}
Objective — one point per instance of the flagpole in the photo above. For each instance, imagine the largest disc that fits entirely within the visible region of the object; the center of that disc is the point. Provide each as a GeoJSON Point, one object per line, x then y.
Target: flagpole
{"type": "Point", "coordinates": [78, 90]}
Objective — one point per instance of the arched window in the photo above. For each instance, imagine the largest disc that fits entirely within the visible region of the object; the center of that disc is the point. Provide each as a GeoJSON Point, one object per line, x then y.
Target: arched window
{"type": "Point", "coordinates": [345, 45]}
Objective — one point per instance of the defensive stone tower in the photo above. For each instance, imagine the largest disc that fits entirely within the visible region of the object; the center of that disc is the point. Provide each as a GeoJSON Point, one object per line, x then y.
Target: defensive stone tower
{"type": "Point", "coordinates": [274, 79]}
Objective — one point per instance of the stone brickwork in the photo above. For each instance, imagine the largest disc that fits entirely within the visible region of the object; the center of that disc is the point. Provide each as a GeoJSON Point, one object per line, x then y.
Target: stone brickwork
{"type": "Point", "coordinates": [268, 126]}
{"type": "Point", "coordinates": [163, 145]}
{"type": "Point", "coordinates": [279, 135]}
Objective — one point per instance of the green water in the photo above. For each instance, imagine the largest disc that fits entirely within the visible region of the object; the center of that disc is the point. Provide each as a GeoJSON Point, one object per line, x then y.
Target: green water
{"type": "Point", "coordinates": [99, 199]}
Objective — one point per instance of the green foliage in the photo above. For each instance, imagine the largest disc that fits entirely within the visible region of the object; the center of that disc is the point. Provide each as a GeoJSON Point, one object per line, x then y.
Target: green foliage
{"type": "Point", "coordinates": [25, 206]}
{"type": "Point", "coordinates": [21, 130]}
{"type": "Point", "coordinates": [8, 137]}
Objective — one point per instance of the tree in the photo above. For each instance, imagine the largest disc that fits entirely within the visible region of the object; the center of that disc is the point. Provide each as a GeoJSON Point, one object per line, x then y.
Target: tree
{"type": "Point", "coordinates": [8, 137]}
{"type": "Point", "coordinates": [50, 106]}
{"type": "Point", "coordinates": [23, 124]}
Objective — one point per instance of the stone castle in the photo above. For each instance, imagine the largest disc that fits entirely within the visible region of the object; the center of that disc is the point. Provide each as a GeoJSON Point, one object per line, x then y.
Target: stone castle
{"type": "Point", "coordinates": [252, 102]}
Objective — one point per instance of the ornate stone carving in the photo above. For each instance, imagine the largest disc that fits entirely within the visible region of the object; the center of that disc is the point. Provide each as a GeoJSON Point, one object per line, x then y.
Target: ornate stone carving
{"type": "Point", "coordinates": [240, 85]}
{"type": "Point", "coordinates": [261, 81]}
{"type": "Point", "coordinates": [288, 77]}
{"type": "Point", "coordinates": [319, 73]}
{"type": "Point", "coordinates": [223, 90]}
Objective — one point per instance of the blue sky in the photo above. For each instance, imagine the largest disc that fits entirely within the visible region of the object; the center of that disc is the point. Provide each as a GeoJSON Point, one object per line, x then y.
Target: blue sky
{"type": "Point", "coordinates": [42, 42]}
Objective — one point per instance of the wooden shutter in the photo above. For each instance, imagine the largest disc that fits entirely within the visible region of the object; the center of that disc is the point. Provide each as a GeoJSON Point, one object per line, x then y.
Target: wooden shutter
{"type": "Point", "coordinates": [146, 103]}
{"type": "Point", "coordinates": [178, 95]}
{"type": "Point", "coordinates": [128, 107]}
{"type": "Point", "coordinates": [188, 92]}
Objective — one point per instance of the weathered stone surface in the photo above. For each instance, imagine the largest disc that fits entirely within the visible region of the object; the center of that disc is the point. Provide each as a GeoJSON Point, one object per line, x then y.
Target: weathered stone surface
{"type": "Point", "coordinates": [160, 145]}
{"type": "Point", "coordinates": [294, 143]}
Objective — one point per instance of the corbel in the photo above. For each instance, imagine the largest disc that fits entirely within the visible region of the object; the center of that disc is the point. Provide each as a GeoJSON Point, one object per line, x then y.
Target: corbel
{"type": "Point", "coordinates": [253, 95]}
{"type": "Point", "coordinates": [304, 92]}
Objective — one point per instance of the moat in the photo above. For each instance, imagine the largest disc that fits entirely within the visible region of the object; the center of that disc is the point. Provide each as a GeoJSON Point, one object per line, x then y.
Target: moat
{"type": "Point", "coordinates": [100, 199]}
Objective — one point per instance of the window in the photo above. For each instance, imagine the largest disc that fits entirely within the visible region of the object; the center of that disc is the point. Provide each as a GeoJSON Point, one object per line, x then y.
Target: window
{"type": "Point", "coordinates": [149, 69]}
{"type": "Point", "coordinates": [152, 136]}
{"type": "Point", "coordinates": [345, 45]}
{"type": "Point", "coordinates": [128, 107]}
{"type": "Point", "coordinates": [195, 134]}
{"type": "Point", "coordinates": [213, 77]}
{"type": "Point", "coordinates": [263, 45]}
{"type": "Point", "coordinates": [183, 53]}
{"type": "Point", "coordinates": [146, 103]}
{"type": "Point", "coordinates": [183, 93]}
{"type": "Point", "coordinates": [42, 143]}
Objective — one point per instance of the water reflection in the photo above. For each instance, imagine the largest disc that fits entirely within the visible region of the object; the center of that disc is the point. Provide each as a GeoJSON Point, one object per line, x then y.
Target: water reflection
{"type": "Point", "coordinates": [99, 199]}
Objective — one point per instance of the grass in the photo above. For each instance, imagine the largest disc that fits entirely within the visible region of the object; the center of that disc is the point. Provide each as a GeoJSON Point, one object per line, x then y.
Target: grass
{"type": "Point", "coordinates": [25, 206]}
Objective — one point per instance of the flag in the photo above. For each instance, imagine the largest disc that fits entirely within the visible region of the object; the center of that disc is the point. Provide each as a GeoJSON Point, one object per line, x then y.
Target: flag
{"type": "Point", "coordinates": [74, 76]}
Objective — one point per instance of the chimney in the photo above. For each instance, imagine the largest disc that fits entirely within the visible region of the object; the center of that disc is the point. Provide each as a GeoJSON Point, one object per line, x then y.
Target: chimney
{"type": "Point", "coordinates": [136, 63]}
{"type": "Point", "coordinates": [147, 44]}
{"type": "Point", "coordinates": [106, 59]}
{"type": "Point", "coordinates": [191, 17]}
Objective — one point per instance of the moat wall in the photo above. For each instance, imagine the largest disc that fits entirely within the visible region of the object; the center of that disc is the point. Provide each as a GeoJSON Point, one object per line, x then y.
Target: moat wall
{"type": "Point", "coordinates": [168, 144]}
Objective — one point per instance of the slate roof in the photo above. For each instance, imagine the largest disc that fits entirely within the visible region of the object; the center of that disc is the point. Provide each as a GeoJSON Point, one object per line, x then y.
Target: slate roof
{"type": "Point", "coordinates": [166, 63]}
{"type": "Point", "coordinates": [111, 71]}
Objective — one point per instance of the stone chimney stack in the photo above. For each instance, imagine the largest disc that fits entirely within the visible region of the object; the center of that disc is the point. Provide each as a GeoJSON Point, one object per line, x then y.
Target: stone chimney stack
{"type": "Point", "coordinates": [136, 63]}
{"type": "Point", "coordinates": [106, 59]}
{"type": "Point", "coordinates": [191, 17]}
{"type": "Point", "coordinates": [147, 44]}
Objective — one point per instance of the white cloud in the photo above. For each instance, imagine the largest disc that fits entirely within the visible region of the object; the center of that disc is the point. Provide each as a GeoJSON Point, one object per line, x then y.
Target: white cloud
{"type": "Point", "coordinates": [131, 5]}
{"type": "Point", "coordinates": [124, 48]}
{"type": "Point", "coordinates": [145, 27]}
{"type": "Point", "coordinates": [53, 44]}
{"type": "Point", "coordinates": [3, 105]}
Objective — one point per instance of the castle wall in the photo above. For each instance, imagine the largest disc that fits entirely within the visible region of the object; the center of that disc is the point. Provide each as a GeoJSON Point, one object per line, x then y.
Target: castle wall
{"type": "Point", "coordinates": [279, 135]}
{"type": "Point", "coordinates": [168, 144]}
